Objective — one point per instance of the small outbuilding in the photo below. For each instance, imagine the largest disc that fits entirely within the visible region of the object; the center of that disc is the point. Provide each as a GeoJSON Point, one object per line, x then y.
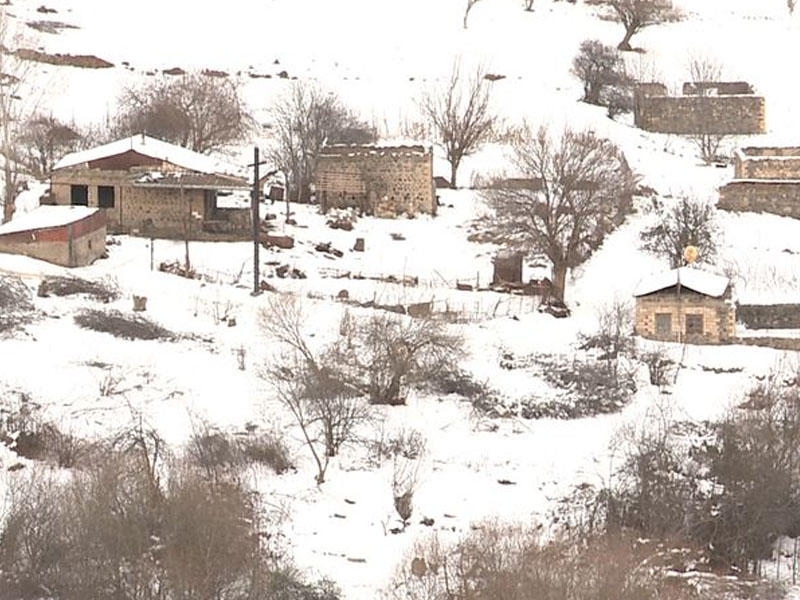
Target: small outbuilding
{"type": "Point", "coordinates": [70, 236]}
{"type": "Point", "coordinates": [685, 304]}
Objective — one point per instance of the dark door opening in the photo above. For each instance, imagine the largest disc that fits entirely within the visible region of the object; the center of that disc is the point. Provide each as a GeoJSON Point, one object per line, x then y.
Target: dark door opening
{"type": "Point", "coordinates": [79, 195]}
{"type": "Point", "coordinates": [105, 196]}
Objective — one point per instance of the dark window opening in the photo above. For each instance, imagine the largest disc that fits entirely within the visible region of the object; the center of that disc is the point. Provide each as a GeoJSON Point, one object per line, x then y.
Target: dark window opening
{"type": "Point", "coordinates": [694, 324]}
{"type": "Point", "coordinates": [79, 195]}
{"type": "Point", "coordinates": [105, 196]}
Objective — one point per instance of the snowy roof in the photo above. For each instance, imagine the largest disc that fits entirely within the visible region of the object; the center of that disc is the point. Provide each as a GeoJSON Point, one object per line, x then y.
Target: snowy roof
{"type": "Point", "coordinates": [46, 216]}
{"type": "Point", "coordinates": [148, 146]}
{"type": "Point", "coordinates": [696, 280]}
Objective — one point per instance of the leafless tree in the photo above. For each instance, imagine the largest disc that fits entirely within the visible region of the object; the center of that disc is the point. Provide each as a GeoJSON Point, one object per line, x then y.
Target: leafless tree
{"type": "Point", "coordinates": [614, 335]}
{"type": "Point", "coordinates": [467, 9]}
{"type": "Point", "coordinates": [705, 69]}
{"type": "Point", "coordinates": [599, 67]}
{"type": "Point", "coordinates": [635, 15]}
{"type": "Point", "coordinates": [461, 116]}
{"type": "Point", "coordinates": [574, 191]}
{"type": "Point", "coordinates": [43, 140]}
{"type": "Point", "coordinates": [687, 223]}
{"type": "Point", "coordinates": [303, 120]}
{"type": "Point", "coordinates": [791, 5]}
{"type": "Point", "coordinates": [528, 4]}
{"type": "Point", "coordinates": [15, 106]}
{"type": "Point", "coordinates": [198, 111]}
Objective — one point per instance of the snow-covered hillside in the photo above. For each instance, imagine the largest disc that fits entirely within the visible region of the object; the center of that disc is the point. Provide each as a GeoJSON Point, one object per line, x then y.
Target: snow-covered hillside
{"type": "Point", "coordinates": [379, 55]}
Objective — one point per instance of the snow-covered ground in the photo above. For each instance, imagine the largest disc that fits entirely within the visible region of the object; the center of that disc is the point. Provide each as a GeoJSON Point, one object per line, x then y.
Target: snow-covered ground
{"type": "Point", "coordinates": [379, 56]}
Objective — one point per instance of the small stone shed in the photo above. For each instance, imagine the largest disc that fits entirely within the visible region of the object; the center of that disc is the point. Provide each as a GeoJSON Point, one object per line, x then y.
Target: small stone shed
{"type": "Point", "coordinates": [70, 236]}
{"type": "Point", "coordinates": [686, 304]}
{"type": "Point", "coordinates": [150, 187]}
{"type": "Point", "coordinates": [765, 179]}
{"type": "Point", "coordinates": [385, 181]}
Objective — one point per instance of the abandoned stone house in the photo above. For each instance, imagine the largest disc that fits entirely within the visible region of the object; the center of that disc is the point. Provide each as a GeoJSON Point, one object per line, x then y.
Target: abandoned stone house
{"type": "Point", "coordinates": [764, 180]}
{"type": "Point", "coordinates": [713, 108]}
{"type": "Point", "coordinates": [685, 304]}
{"type": "Point", "coordinates": [149, 187]}
{"type": "Point", "coordinates": [385, 181]}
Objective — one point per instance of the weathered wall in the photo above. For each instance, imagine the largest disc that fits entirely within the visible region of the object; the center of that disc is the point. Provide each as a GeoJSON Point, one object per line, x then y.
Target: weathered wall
{"type": "Point", "coordinates": [74, 245]}
{"type": "Point", "coordinates": [719, 316]}
{"type": "Point", "coordinates": [776, 197]}
{"type": "Point", "coordinates": [386, 181]}
{"type": "Point", "coordinates": [693, 115]}
{"type": "Point", "coordinates": [767, 163]}
{"type": "Point", "coordinates": [769, 316]}
{"type": "Point", "coordinates": [722, 88]}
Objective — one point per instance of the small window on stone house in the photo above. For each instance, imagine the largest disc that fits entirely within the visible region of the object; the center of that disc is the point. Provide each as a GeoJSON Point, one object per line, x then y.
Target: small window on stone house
{"type": "Point", "coordinates": [105, 196]}
{"type": "Point", "coordinates": [79, 195]}
{"type": "Point", "coordinates": [663, 324]}
{"type": "Point", "coordinates": [694, 324]}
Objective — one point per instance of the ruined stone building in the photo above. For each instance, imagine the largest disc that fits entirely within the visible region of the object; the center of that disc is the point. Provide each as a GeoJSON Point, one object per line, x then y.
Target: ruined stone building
{"type": "Point", "coordinates": [686, 304]}
{"type": "Point", "coordinates": [149, 187]}
{"type": "Point", "coordinates": [764, 180]}
{"type": "Point", "coordinates": [713, 108]}
{"type": "Point", "coordinates": [385, 181]}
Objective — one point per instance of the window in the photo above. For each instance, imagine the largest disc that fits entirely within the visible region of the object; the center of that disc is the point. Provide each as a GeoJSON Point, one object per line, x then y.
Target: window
{"type": "Point", "coordinates": [105, 196]}
{"type": "Point", "coordinates": [664, 324]}
{"type": "Point", "coordinates": [694, 324]}
{"type": "Point", "coordinates": [79, 195]}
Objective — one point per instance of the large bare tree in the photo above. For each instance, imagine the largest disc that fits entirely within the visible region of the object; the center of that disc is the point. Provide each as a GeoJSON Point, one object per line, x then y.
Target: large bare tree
{"type": "Point", "coordinates": [687, 223]}
{"type": "Point", "coordinates": [198, 111]}
{"type": "Point", "coordinates": [635, 15]}
{"type": "Point", "coordinates": [572, 191]}
{"type": "Point", "coordinates": [461, 116]}
{"type": "Point", "coordinates": [304, 119]}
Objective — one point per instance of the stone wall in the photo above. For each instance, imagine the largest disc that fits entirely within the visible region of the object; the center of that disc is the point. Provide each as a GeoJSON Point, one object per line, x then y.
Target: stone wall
{"type": "Point", "coordinates": [693, 114]}
{"type": "Point", "coordinates": [719, 316]}
{"type": "Point", "coordinates": [767, 163]}
{"type": "Point", "coordinates": [384, 181]}
{"type": "Point", "coordinates": [769, 316]}
{"type": "Point", "coordinates": [719, 88]}
{"type": "Point", "coordinates": [776, 197]}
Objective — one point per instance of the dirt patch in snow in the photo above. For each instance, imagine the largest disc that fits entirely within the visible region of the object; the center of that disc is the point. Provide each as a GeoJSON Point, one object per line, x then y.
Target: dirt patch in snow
{"type": "Point", "coordinates": [85, 61]}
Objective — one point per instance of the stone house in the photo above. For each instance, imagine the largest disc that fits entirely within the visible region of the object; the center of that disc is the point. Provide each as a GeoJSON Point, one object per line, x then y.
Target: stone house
{"type": "Point", "coordinates": [685, 304]}
{"type": "Point", "coordinates": [149, 187]}
{"type": "Point", "coordinates": [385, 181]}
{"type": "Point", "coordinates": [713, 108]}
{"type": "Point", "coordinates": [764, 180]}
{"type": "Point", "coordinates": [70, 236]}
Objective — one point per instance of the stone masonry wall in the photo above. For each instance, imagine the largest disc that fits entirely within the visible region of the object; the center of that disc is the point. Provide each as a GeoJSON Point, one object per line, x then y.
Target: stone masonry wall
{"type": "Point", "coordinates": [693, 115]}
{"type": "Point", "coordinates": [383, 181]}
{"type": "Point", "coordinates": [769, 316]}
{"type": "Point", "coordinates": [776, 197]}
{"type": "Point", "coordinates": [719, 316]}
{"type": "Point", "coordinates": [767, 163]}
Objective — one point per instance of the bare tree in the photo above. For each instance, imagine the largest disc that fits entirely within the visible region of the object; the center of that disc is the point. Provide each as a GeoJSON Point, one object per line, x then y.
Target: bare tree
{"type": "Point", "coordinates": [635, 15]}
{"type": "Point", "coordinates": [13, 110]}
{"type": "Point", "coordinates": [704, 69]}
{"type": "Point", "coordinates": [195, 110]}
{"type": "Point", "coordinates": [460, 115]}
{"type": "Point", "coordinates": [614, 335]}
{"type": "Point", "coordinates": [43, 140]}
{"type": "Point", "coordinates": [791, 5]}
{"type": "Point", "coordinates": [467, 9]}
{"type": "Point", "coordinates": [687, 223]}
{"type": "Point", "coordinates": [528, 4]}
{"type": "Point", "coordinates": [599, 67]}
{"type": "Point", "coordinates": [303, 121]}
{"type": "Point", "coordinates": [573, 192]}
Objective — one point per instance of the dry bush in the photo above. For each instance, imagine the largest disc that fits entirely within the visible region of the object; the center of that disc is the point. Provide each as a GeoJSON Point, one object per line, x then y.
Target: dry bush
{"type": "Point", "coordinates": [267, 449]}
{"type": "Point", "coordinates": [600, 68]}
{"type": "Point", "coordinates": [105, 290]}
{"type": "Point", "coordinates": [16, 303]}
{"type": "Point", "coordinates": [129, 327]}
{"type": "Point", "coordinates": [660, 367]}
{"type": "Point", "coordinates": [219, 454]}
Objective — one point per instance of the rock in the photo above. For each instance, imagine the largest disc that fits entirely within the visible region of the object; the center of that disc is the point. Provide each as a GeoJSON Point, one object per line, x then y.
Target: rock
{"type": "Point", "coordinates": [343, 295]}
{"type": "Point", "coordinates": [285, 242]}
{"type": "Point", "coordinates": [359, 245]}
{"type": "Point", "coordinates": [139, 303]}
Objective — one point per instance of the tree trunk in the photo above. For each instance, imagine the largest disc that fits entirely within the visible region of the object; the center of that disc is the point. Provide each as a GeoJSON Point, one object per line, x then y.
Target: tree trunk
{"type": "Point", "coordinates": [625, 44]}
{"type": "Point", "coordinates": [559, 281]}
{"type": "Point", "coordinates": [453, 171]}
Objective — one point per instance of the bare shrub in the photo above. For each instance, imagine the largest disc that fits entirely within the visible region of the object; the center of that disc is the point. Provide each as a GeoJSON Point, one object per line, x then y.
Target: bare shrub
{"type": "Point", "coordinates": [129, 327]}
{"type": "Point", "coordinates": [687, 223]}
{"type": "Point", "coordinates": [600, 68]}
{"type": "Point", "coordinates": [267, 449]}
{"type": "Point", "coordinates": [105, 290]}
{"type": "Point", "coordinates": [614, 335]}
{"type": "Point", "coordinates": [791, 5]}
{"type": "Point", "coordinates": [703, 68]}
{"type": "Point", "coordinates": [576, 189]}
{"type": "Point", "coordinates": [460, 115]}
{"type": "Point", "coordinates": [660, 367]}
{"type": "Point", "coordinates": [16, 303]}
{"type": "Point", "coordinates": [708, 145]}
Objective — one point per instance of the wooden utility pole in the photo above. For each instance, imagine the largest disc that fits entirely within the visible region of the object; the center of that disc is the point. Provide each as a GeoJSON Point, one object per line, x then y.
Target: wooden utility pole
{"type": "Point", "coordinates": [256, 224]}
